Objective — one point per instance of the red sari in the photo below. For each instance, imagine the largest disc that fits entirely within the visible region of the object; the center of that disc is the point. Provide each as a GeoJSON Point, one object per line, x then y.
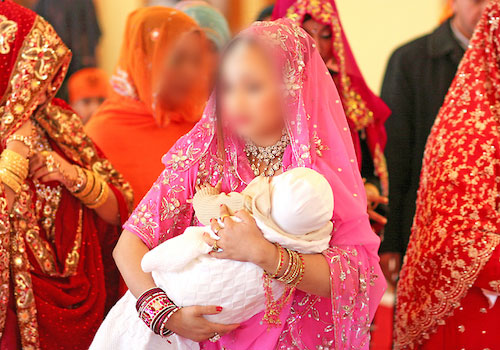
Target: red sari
{"type": "Point", "coordinates": [56, 271]}
{"type": "Point", "coordinates": [453, 257]}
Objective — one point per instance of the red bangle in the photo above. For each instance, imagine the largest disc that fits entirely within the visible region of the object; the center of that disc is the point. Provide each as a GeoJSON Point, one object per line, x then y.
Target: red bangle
{"type": "Point", "coordinates": [155, 309]}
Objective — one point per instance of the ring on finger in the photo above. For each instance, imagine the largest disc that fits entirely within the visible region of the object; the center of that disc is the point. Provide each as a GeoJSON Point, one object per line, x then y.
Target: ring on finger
{"type": "Point", "coordinates": [215, 247]}
{"type": "Point", "coordinates": [221, 219]}
{"type": "Point", "coordinates": [215, 338]}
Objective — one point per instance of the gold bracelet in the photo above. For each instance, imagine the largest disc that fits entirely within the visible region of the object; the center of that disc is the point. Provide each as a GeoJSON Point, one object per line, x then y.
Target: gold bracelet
{"type": "Point", "coordinates": [89, 185]}
{"type": "Point", "coordinates": [281, 261]}
{"type": "Point", "coordinates": [10, 181]}
{"type": "Point", "coordinates": [101, 199]}
{"type": "Point", "coordinates": [15, 163]}
{"type": "Point", "coordinates": [95, 192]}
{"type": "Point", "coordinates": [295, 269]}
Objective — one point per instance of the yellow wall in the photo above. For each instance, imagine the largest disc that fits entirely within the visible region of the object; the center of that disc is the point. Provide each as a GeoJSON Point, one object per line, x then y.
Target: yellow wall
{"type": "Point", "coordinates": [112, 17]}
{"type": "Point", "coordinates": [374, 28]}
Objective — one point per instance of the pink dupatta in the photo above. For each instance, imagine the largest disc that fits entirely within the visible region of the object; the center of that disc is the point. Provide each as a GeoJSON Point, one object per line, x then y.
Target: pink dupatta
{"type": "Point", "coordinates": [320, 139]}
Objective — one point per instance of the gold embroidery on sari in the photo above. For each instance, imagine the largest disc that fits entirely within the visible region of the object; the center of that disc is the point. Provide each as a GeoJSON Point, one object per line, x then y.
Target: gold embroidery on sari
{"type": "Point", "coordinates": [8, 31]}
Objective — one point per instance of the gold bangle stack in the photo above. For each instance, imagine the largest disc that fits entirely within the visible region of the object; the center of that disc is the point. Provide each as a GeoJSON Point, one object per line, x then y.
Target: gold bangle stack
{"type": "Point", "coordinates": [13, 169]}
{"type": "Point", "coordinates": [295, 270]}
{"type": "Point", "coordinates": [95, 192]}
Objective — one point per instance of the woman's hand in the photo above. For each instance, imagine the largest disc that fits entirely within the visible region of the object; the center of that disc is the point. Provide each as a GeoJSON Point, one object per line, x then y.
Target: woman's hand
{"type": "Point", "coordinates": [374, 198]}
{"type": "Point", "coordinates": [25, 130]}
{"type": "Point", "coordinates": [189, 323]}
{"type": "Point", "coordinates": [50, 166]}
{"type": "Point", "coordinates": [241, 241]}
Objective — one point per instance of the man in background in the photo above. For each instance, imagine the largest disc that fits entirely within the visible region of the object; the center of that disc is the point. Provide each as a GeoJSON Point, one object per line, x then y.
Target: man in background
{"type": "Point", "coordinates": [416, 82]}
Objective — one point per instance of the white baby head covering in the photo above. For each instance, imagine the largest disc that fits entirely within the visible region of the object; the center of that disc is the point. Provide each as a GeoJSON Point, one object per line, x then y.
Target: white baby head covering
{"type": "Point", "coordinates": [302, 201]}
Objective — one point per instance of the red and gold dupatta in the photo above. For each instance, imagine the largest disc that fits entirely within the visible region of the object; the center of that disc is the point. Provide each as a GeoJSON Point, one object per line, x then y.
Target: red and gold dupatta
{"type": "Point", "coordinates": [457, 222]}
{"type": "Point", "coordinates": [55, 254]}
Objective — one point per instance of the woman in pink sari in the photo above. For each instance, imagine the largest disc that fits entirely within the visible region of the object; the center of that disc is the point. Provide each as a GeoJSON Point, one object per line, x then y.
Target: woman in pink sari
{"type": "Point", "coordinates": [272, 82]}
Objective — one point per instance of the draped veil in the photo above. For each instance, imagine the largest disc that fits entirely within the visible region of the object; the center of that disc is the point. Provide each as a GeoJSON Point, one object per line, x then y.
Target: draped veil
{"type": "Point", "coordinates": [457, 221]}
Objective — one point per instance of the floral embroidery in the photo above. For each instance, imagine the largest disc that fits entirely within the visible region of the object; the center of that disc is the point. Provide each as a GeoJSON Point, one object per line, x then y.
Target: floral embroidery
{"type": "Point", "coordinates": [122, 84]}
{"type": "Point", "coordinates": [8, 31]}
{"type": "Point", "coordinates": [320, 147]}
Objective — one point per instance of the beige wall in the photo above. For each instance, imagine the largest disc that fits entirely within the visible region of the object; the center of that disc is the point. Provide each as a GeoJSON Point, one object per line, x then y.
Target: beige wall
{"type": "Point", "coordinates": [374, 28]}
{"type": "Point", "coordinates": [112, 17]}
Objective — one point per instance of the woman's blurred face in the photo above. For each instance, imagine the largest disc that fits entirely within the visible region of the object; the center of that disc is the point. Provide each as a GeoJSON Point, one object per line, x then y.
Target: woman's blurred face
{"type": "Point", "coordinates": [250, 94]}
{"type": "Point", "coordinates": [183, 69]}
{"type": "Point", "coordinates": [322, 35]}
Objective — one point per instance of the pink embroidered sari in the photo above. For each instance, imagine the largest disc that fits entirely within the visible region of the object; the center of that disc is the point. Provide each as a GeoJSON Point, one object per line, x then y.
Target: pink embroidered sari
{"type": "Point", "coordinates": [320, 139]}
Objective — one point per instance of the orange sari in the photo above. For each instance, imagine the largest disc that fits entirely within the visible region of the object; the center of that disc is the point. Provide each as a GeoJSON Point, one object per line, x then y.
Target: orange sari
{"type": "Point", "coordinates": [132, 127]}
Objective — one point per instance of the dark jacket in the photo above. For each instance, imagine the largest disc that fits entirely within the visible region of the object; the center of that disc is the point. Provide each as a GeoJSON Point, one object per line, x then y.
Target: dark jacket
{"type": "Point", "coordinates": [416, 82]}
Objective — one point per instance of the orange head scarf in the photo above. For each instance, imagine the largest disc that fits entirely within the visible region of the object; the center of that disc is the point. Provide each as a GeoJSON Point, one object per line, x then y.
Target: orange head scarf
{"type": "Point", "coordinates": [132, 128]}
{"type": "Point", "coordinates": [88, 83]}
{"type": "Point", "coordinates": [149, 35]}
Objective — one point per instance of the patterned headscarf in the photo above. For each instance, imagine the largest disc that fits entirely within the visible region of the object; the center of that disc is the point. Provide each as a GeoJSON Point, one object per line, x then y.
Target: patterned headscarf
{"type": "Point", "coordinates": [457, 222]}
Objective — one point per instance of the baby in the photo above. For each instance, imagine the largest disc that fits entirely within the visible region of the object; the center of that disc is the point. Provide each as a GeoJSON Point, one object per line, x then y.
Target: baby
{"type": "Point", "coordinates": [293, 209]}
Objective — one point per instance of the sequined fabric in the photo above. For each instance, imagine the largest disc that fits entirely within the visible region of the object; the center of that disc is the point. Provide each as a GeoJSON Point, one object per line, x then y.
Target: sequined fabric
{"type": "Point", "coordinates": [319, 139]}
{"type": "Point", "coordinates": [364, 110]}
{"type": "Point", "coordinates": [457, 223]}
{"type": "Point", "coordinates": [53, 249]}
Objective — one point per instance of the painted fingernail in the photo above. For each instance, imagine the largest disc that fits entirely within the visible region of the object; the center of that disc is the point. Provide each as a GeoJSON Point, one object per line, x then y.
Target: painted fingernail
{"type": "Point", "coordinates": [219, 308]}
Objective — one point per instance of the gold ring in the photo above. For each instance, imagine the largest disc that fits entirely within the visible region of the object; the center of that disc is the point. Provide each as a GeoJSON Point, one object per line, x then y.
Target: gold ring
{"type": "Point", "coordinates": [215, 247]}
{"type": "Point", "coordinates": [223, 217]}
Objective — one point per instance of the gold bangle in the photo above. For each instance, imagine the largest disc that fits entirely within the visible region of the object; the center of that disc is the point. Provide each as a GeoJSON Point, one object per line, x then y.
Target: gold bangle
{"type": "Point", "coordinates": [10, 181]}
{"type": "Point", "coordinates": [295, 269]}
{"type": "Point", "coordinates": [101, 199]}
{"type": "Point", "coordinates": [95, 192]}
{"type": "Point", "coordinates": [281, 261]}
{"type": "Point", "coordinates": [15, 163]}
{"type": "Point", "coordinates": [89, 185]}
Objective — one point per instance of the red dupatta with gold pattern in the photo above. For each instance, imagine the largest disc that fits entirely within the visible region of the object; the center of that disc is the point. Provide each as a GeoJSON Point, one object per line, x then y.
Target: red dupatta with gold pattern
{"type": "Point", "coordinates": [53, 250]}
{"type": "Point", "coordinates": [457, 221]}
{"type": "Point", "coordinates": [364, 110]}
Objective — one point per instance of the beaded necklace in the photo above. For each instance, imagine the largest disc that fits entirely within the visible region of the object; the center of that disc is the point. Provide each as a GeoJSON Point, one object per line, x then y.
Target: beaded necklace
{"type": "Point", "coordinates": [271, 156]}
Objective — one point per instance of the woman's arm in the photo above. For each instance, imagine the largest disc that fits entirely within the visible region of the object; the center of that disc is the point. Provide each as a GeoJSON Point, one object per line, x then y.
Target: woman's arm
{"type": "Point", "coordinates": [188, 321]}
{"type": "Point", "coordinates": [66, 173]}
{"type": "Point", "coordinates": [128, 254]}
{"type": "Point", "coordinates": [243, 241]}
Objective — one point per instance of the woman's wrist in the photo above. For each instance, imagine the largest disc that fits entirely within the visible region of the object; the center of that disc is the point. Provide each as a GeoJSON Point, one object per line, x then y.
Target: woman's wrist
{"type": "Point", "coordinates": [267, 256]}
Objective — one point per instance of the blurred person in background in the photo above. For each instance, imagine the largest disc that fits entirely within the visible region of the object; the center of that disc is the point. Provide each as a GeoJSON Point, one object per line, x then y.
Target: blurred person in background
{"type": "Point", "coordinates": [366, 113]}
{"type": "Point", "coordinates": [213, 23]}
{"type": "Point", "coordinates": [159, 90]}
{"type": "Point", "coordinates": [88, 88]}
{"type": "Point", "coordinates": [416, 81]}
{"type": "Point", "coordinates": [447, 295]}
{"type": "Point", "coordinates": [61, 201]}
{"type": "Point", "coordinates": [266, 14]}
{"type": "Point", "coordinates": [75, 21]}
